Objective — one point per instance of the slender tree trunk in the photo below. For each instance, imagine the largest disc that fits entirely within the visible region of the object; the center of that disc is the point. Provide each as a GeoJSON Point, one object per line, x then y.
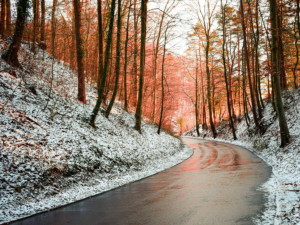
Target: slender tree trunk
{"type": "Point", "coordinates": [8, 17]}
{"type": "Point", "coordinates": [162, 84]}
{"type": "Point", "coordinates": [118, 59]}
{"type": "Point", "coordinates": [282, 74]}
{"type": "Point", "coordinates": [156, 50]}
{"type": "Point", "coordinates": [257, 63]}
{"type": "Point", "coordinates": [208, 80]}
{"type": "Point", "coordinates": [53, 27]}
{"type": "Point", "coordinates": [38, 21]}
{"type": "Point", "coordinates": [298, 15]}
{"type": "Point", "coordinates": [276, 64]}
{"type": "Point", "coordinates": [126, 59]}
{"type": "Point", "coordinates": [135, 55]}
{"type": "Point", "coordinates": [248, 70]}
{"type": "Point", "coordinates": [2, 16]}
{"type": "Point", "coordinates": [296, 63]}
{"type": "Point", "coordinates": [43, 21]}
{"type": "Point", "coordinates": [73, 43]}
{"type": "Point", "coordinates": [79, 51]}
{"type": "Point", "coordinates": [100, 43]}
{"type": "Point", "coordinates": [11, 54]}
{"type": "Point", "coordinates": [138, 112]}
{"type": "Point", "coordinates": [225, 71]}
{"type": "Point", "coordinates": [204, 123]}
{"type": "Point", "coordinates": [245, 107]}
{"type": "Point", "coordinates": [106, 64]}
{"type": "Point", "coordinates": [196, 97]}
{"type": "Point", "coordinates": [297, 37]}
{"type": "Point", "coordinates": [255, 66]}
{"type": "Point", "coordinates": [239, 75]}
{"type": "Point", "coordinates": [213, 99]}
{"type": "Point", "coordinates": [34, 9]}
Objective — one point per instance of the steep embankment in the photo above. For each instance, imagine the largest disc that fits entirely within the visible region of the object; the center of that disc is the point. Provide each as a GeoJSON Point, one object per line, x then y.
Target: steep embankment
{"type": "Point", "coordinates": [283, 204]}
{"type": "Point", "coordinates": [50, 155]}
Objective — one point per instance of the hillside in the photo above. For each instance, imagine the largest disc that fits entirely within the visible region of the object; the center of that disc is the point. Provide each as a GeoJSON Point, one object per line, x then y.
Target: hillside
{"type": "Point", "coordinates": [283, 205]}
{"type": "Point", "coordinates": [51, 156]}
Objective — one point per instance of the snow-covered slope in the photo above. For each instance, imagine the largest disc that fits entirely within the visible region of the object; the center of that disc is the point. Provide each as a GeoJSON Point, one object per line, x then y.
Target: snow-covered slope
{"type": "Point", "coordinates": [283, 205]}
{"type": "Point", "coordinates": [50, 155]}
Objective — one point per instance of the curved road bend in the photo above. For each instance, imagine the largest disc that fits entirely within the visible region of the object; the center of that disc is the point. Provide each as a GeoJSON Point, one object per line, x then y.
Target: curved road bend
{"type": "Point", "coordinates": [215, 186]}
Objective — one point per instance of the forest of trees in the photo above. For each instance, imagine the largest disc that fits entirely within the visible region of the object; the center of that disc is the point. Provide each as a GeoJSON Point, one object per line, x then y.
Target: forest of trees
{"type": "Point", "coordinates": [250, 51]}
{"type": "Point", "coordinates": [240, 53]}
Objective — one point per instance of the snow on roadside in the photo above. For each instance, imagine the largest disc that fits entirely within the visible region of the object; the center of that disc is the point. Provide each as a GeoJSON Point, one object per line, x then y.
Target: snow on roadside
{"type": "Point", "coordinates": [51, 156]}
{"type": "Point", "coordinates": [283, 188]}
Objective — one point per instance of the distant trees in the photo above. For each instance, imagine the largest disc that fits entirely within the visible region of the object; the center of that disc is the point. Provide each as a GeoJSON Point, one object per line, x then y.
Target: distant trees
{"type": "Point", "coordinates": [244, 57]}
{"type": "Point", "coordinates": [158, 33]}
{"type": "Point", "coordinates": [206, 20]}
{"type": "Point", "coordinates": [228, 71]}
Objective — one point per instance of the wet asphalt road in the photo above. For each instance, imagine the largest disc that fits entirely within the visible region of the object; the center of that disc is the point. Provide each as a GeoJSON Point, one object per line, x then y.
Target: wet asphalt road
{"type": "Point", "coordinates": [217, 185]}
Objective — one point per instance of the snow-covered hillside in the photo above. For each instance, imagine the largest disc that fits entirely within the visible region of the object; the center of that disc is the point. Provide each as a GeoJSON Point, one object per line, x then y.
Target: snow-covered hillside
{"type": "Point", "coordinates": [283, 205]}
{"type": "Point", "coordinates": [50, 155]}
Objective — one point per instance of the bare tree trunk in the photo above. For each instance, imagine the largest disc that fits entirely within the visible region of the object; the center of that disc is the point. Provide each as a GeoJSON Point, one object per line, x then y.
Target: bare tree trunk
{"type": "Point", "coordinates": [8, 17]}
{"type": "Point", "coordinates": [276, 64]}
{"type": "Point", "coordinates": [126, 59]}
{"type": "Point", "coordinates": [118, 59]}
{"type": "Point", "coordinates": [53, 27]}
{"type": "Point", "coordinates": [80, 52]}
{"type": "Point", "coordinates": [135, 55]}
{"type": "Point", "coordinates": [204, 123]}
{"type": "Point", "coordinates": [257, 63]}
{"type": "Point", "coordinates": [229, 102]}
{"type": "Point", "coordinates": [100, 43]}
{"type": "Point", "coordinates": [34, 8]}
{"type": "Point", "coordinates": [43, 20]}
{"type": "Point", "coordinates": [11, 54]}
{"type": "Point", "coordinates": [208, 80]}
{"type": "Point", "coordinates": [2, 16]}
{"type": "Point", "coordinates": [296, 63]}
{"type": "Point", "coordinates": [255, 66]}
{"type": "Point", "coordinates": [156, 50]}
{"type": "Point", "coordinates": [73, 43]}
{"type": "Point", "coordinates": [297, 37]}
{"type": "Point", "coordinates": [106, 64]}
{"type": "Point", "coordinates": [298, 15]}
{"type": "Point", "coordinates": [213, 99]}
{"type": "Point", "coordinates": [245, 97]}
{"type": "Point", "coordinates": [138, 112]}
{"type": "Point", "coordinates": [248, 70]}
{"type": "Point", "coordinates": [239, 75]}
{"type": "Point", "coordinates": [38, 21]}
{"type": "Point", "coordinates": [283, 80]}
{"type": "Point", "coordinates": [196, 97]}
{"type": "Point", "coordinates": [162, 84]}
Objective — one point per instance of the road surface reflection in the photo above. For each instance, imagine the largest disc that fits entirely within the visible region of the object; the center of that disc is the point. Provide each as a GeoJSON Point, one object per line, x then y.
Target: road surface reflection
{"type": "Point", "coordinates": [217, 185]}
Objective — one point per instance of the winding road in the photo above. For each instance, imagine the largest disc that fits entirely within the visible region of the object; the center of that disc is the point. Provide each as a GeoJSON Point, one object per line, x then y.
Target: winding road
{"type": "Point", "coordinates": [217, 185]}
